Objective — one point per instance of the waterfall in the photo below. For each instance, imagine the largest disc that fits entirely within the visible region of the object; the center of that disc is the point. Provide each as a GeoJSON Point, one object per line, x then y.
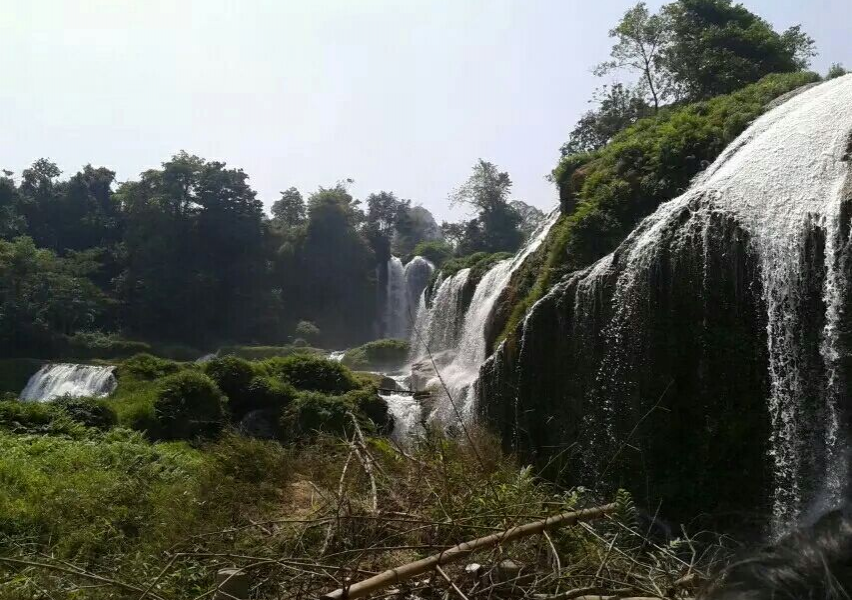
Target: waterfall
{"type": "Point", "coordinates": [753, 259]}
{"type": "Point", "coordinates": [53, 381]}
{"type": "Point", "coordinates": [454, 332]}
{"type": "Point", "coordinates": [402, 293]}
{"type": "Point", "coordinates": [396, 301]}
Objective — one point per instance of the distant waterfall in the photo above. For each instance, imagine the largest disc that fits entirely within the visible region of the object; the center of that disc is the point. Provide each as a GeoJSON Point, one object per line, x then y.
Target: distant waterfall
{"type": "Point", "coordinates": [453, 331]}
{"type": "Point", "coordinates": [403, 290]}
{"type": "Point", "coordinates": [740, 286]}
{"type": "Point", "coordinates": [53, 381]}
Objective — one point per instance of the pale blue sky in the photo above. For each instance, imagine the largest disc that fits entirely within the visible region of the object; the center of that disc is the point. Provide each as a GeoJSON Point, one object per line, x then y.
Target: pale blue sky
{"type": "Point", "coordinates": [399, 95]}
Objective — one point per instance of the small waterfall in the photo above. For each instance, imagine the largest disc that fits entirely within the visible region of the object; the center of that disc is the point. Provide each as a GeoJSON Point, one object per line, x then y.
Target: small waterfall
{"type": "Point", "coordinates": [337, 355]}
{"type": "Point", "coordinates": [418, 274]}
{"type": "Point", "coordinates": [56, 380]}
{"type": "Point", "coordinates": [407, 414]}
{"type": "Point", "coordinates": [455, 332]}
{"type": "Point", "coordinates": [402, 293]}
{"type": "Point", "coordinates": [753, 259]}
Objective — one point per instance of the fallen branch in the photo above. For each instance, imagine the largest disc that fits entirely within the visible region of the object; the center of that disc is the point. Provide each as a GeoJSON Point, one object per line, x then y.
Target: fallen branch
{"type": "Point", "coordinates": [461, 551]}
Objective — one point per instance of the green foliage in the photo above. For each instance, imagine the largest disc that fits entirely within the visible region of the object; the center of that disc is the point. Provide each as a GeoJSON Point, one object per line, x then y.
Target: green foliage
{"type": "Point", "coordinates": [43, 296]}
{"type": "Point", "coordinates": [93, 344]}
{"type": "Point", "coordinates": [307, 331]}
{"type": "Point", "coordinates": [618, 108]}
{"type": "Point", "coordinates": [377, 355]}
{"type": "Point", "coordinates": [312, 413]}
{"type": "Point", "coordinates": [718, 47]}
{"type": "Point", "coordinates": [38, 418]}
{"type": "Point", "coordinates": [605, 193]}
{"type": "Point", "coordinates": [264, 352]}
{"type": "Point", "coordinates": [371, 409]}
{"type": "Point", "coordinates": [642, 38]}
{"type": "Point", "coordinates": [836, 70]}
{"type": "Point", "coordinates": [146, 366]}
{"type": "Point", "coordinates": [437, 252]}
{"type": "Point", "coordinates": [496, 228]}
{"type": "Point", "coordinates": [309, 372]}
{"type": "Point", "coordinates": [289, 210]}
{"type": "Point", "coordinates": [268, 393]}
{"type": "Point", "coordinates": [188, 405]}
{"type": "Point", "coordinates": [479, 264]}
{"type": "Point", "coordinates": [91, 412]}
{"type": "Point", "coordinates": [232, 375]}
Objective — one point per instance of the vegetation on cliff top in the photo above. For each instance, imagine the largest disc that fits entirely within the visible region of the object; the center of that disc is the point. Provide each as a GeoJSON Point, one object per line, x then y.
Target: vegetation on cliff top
{"type": "Point", "coordinates": [605, 193]}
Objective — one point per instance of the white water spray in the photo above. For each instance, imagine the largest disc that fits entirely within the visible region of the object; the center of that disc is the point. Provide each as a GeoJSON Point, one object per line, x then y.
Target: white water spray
{"type": "Point", "coordinates": [56, 380]}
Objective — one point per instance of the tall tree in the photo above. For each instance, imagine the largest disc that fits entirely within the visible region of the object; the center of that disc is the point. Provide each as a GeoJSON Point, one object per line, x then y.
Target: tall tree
{"type": "Point", "coordinates": [495, 229]}
{"type": "Point", "coordinates": [641, 37]}
{"type": "Point", "coordinates": [718, 47]}
{"type": "Point", "coordinates": [289, 210]}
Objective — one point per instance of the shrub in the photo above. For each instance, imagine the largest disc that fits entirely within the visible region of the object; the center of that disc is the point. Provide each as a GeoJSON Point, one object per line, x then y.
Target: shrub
{"type": "Point", "coordinates": [188, 405]}
{"type": "Point", "coordinates": [147, 366]}
{"type": "Point", "coordinates": [87, 345]}
{"type": "Point", "coordinates": [38, 418]}
{"type": "Point", "coordinates": [307, 330]}
{"type": "Point", "coordinates": [309, 372]}
{"type": "Point", "coordinates": [377, 355]}
{"type": "Point", "coordinates": [372, 407]}
{"type": "Point", "coordinates": [264, 352]}
{"type": "Point", "coordinates": [91, 412]}
{"type": "Point", "coordinates": [312, 413]}
{"type": "Point", "coordinates": [479, 264]}
{"type": "Point", "coordinates": [437, 252]}
{"type": "Point", "coordinates": [232, 375]}
{"type": "Point", "coordinates": [268, 393]}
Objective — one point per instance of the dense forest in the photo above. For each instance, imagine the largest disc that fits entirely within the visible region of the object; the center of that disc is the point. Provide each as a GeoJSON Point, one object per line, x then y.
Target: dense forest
{"type": "Point", "coordinates": [187, 256]}
{"type": "Point", "coordinates": [605, 401]}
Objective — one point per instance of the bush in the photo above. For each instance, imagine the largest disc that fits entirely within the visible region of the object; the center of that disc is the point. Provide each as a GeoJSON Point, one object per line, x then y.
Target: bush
{"type": "Point", "coordinates": [87, 345]}
{"type": "Point", "coordinates": [372, 407]}
{"type": "Point", "coordinates": [147, 366]}
{"type": "Point", "coordinates": [188, 405]}
{"type": "Point", "coordinates": [437, 252]}
{"type": "Point", "coordinates": [269, 393]}
{"type": "Point", "coordinates": [479, 264]}
{"type": "Point", "coordinates": [378, 355]}
{"type": "Point", "coordinates": [312, 413]}
{"type": "Point", "coordinates": [37, 418]}
{"type": "Point", "coordinates": [264, 352]}
{"type": "Point", "coordinates": [307, 330]}
{"type": "Point", "coordinates": [91, 412]}
{"type": "Point", "coordinates": [232, 375]}
{"type": "Point", "coordinates": [308, 372]}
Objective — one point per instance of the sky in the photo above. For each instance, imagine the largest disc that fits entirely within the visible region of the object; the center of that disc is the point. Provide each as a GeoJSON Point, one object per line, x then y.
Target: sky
{"type": "Point", "coordinates": [398, 95]}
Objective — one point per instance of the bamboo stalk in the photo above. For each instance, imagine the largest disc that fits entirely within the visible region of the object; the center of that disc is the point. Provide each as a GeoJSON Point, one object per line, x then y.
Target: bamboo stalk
{"type": "Point", "coordinates": [459, 552]}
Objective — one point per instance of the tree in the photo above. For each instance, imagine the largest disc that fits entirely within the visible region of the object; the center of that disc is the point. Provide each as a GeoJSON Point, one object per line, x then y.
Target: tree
{"type": "Point", "coordinates": [495, 229]}
{"type": "Point", "coordinates": [619, 107]}
{"type": "Point", "coordinates": [531, 217]}
{"type": "Point", "coordinates": [327, 271]}
{"type": "Point", "coordinates": [641, 39]}
{"type": "Point", "coordinates": [836, 71]}
{"type": "Point", "coordinates": [289, 210]}
{"type": "Point", "coordinates": [718, 47]}
{"type": "Point", "coordinates": [194, 253]}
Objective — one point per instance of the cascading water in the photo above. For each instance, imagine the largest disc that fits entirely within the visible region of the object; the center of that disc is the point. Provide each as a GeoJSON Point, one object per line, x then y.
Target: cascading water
{"type": "Point", "coordinates": [454, 332]}
{"type": "Point", "coordinates": [403, 290]}
{"type": "Point", "coordinates": [734, 294]}
{"type": "Point", "coordinates": [53, 381]}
